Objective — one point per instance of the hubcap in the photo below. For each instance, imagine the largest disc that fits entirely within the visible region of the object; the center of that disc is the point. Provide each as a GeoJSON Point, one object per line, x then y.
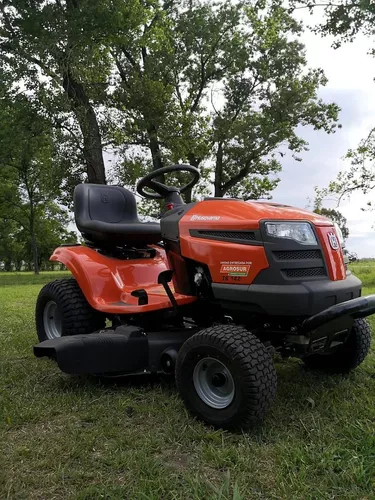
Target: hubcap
{"type": "Point", "coordinates": [52, 320]}
{"type": "Point", "coordinates": [214, 383]}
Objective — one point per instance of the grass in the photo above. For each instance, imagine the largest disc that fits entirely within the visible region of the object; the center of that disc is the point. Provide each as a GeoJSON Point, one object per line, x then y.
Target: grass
{"type": "Point", "coordinates": [64, 437]}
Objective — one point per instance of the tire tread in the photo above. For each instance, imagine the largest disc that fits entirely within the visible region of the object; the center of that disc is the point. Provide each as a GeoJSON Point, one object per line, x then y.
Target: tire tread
{"type": "Point", "coordinates": [256, 366]}
{"type": "Point", "coordinates": [348, 357]}
{"type": "Point", "coordinates": [78, 317]}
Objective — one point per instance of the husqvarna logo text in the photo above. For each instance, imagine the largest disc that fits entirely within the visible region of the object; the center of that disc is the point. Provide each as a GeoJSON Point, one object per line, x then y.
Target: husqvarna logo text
{"type": "Point", "coordinates": [333, 241]}
{"type": "Point", "coordinates": [205, 217]}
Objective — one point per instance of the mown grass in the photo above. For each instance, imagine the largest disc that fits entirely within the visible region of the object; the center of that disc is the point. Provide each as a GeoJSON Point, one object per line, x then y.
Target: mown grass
{"type": "Point", "coordinates": [65, 437]}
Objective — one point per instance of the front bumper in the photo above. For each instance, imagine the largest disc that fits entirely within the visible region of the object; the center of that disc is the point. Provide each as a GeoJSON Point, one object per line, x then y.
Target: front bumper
{"type": "Point", "coordinates": [302, 299]}
{"type": "Point", "coordinates": [331, 327]}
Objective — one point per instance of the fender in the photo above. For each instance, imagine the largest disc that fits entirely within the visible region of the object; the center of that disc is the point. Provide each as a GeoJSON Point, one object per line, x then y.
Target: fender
{"type": "Point", "coordinates": [107, 283]}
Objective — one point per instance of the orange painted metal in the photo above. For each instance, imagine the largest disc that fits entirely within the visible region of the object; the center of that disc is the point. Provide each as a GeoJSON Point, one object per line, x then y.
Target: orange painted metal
{"type": "Point", "coordinates": [107, 283]}
{"type": "Point", "coordinates": [230, 262]}
{"type": "Point", "coordinates": [334, 258]}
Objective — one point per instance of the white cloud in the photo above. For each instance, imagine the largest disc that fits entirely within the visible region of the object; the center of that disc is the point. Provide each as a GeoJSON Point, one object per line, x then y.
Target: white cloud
{"type": "Point", "coordinates": [350, 71]}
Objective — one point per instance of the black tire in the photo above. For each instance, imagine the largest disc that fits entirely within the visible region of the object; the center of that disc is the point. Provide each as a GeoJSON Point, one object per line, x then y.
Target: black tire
{"type": "Point", "coordinates": [77, 316]}
{"type": "Point", "coordinates": [347, 356]}
{"type": "Point", "coordinates": [249, 364]}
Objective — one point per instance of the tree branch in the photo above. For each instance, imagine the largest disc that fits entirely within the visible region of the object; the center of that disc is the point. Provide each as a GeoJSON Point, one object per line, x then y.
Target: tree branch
{"type": "Point", "coordinates": [178, 92]}
{"type": "Point", "coordinates": [202, 84]}
{"type": "Point", "coordinates": [129, 57]}
{"type": "Point", "coordinates": [120, 69]}
{"type": "Point", "coordinates": [72, 133]}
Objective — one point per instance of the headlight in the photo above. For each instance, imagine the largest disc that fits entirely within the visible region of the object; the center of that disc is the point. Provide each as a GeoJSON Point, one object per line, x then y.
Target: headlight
{"type": "Point", "coordinates": [297, 231]}
{"type": "Point", "coordinates": [339, 234]}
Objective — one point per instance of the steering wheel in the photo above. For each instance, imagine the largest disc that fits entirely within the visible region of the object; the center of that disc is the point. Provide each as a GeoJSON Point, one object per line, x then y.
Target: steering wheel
{"type": "Point", "coordinates": [161, 190]}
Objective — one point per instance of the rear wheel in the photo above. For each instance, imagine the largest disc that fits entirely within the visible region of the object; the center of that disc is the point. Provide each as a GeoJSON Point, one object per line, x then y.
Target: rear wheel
{"type": "Point", "coordinates": [61, 310]}
{"type": "Point", "coordinates": [226, 377]}
{"type": "Point", "coordinates": [347, 356]}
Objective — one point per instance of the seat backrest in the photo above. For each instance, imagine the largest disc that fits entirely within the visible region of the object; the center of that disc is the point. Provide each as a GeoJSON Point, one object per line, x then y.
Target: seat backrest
{"type": "Point", "coordinates": [99, 202]}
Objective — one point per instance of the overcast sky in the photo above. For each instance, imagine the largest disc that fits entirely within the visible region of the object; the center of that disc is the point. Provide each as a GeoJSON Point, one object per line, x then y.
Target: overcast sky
{"type": "Point", "coordinates": [350, 72]}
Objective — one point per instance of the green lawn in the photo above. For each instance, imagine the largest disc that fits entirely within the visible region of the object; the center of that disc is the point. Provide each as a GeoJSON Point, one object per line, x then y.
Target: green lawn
{"type": "Point", "coordinates": [64, 437]}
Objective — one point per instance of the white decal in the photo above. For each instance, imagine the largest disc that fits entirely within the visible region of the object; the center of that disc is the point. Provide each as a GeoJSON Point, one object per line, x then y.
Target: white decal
{"type": "Point", "coordinates": [205, 217]}
{"type": "Point", "coordinates": [333, 241]}
{"type": "Point", "coordinates": [236, 268]}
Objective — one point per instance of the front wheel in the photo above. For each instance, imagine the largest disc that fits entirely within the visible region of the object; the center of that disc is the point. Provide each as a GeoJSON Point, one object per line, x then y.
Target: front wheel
{"type": "Point", "coordinates": [61, 310]}
{"type": "Point", "coordinates": [348, 355]}
{"type": "Point", "coordinates": [226, 377]}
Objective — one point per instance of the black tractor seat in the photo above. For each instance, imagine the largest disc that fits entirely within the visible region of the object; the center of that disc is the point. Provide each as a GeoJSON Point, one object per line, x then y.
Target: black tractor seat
{"type": "Point", "coordinates": [107, 216]}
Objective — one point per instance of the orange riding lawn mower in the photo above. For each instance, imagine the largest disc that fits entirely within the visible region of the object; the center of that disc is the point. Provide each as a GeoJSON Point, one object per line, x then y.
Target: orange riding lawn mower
{"type": "Point", "coordinates": [210, 294]}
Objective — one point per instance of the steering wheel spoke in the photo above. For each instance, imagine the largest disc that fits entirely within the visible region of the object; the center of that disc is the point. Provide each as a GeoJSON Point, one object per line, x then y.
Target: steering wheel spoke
{"type": "Point", "coordinates": [158, 185]}
{"type": "Point", "coordinates": [162, 190]}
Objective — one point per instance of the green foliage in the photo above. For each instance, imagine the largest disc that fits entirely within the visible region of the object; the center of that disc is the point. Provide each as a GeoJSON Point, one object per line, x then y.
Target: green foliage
{"type": "Point", "coordinates": [344, 20]}
{"type": "Point", "coordinates": [335, 216]}
{"type": "Point", "coordinates": [221, 85]}
{"type": "Point", "coordinates": [60, 52]}
{"type": "Point", "coordinates": [359, 177]}
{"type": "Point", "coordinates": [223, 89]}
{"type": "Point", "coordinates": [31, 222]}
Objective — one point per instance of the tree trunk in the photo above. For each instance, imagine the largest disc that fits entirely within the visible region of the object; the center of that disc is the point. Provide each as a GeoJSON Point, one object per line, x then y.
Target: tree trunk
{"type": "Point", "coordinates": [88, 123]}
{"type": "Point", "coordinates": [7, 265]}
{"type": "Point", "coordinates": [157, 162]}
{"type": "Point", "coordinates": [34, 247]}
{"type": "Point", "coordinates": [194, 162]}
{"type": "Point", "coordinates": [219, 171]}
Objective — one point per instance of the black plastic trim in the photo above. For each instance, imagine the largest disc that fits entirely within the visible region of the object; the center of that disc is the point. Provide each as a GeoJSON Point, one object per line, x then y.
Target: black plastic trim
{"type": "Point", "coordinates": [277, 272]}
{"type": "Point", "coordinates": [170, 221]}
{"type": "Point", "coordinates": [255, 240]}
{"type": "Point", "coordinates": [300, 299]}
{"type": "Point", "coordinates": [356, 308]}
{"type": "Point", "coordinates": [124, 350]}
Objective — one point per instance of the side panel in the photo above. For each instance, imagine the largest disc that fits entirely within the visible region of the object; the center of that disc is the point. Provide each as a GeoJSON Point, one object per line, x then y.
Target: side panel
{"type": "Point", "coordinates": [228, 261]}
{"type": "Point", "coordinates": [108, 283]}
{"type": "Point", "coordinates": [226, 236]}
{"type": "Point", "coordinates": [334, 257]}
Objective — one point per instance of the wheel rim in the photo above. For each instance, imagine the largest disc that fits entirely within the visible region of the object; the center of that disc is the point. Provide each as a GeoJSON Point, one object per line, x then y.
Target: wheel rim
{"type": "Point", "coordinates": [214, 383]}
{"type": "Point", "coordinates": [52, 320]}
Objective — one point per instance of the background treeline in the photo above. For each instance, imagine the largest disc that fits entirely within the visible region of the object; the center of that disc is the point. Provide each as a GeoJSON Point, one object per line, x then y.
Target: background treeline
{"type": "Point", "coordinates": [104, 91]}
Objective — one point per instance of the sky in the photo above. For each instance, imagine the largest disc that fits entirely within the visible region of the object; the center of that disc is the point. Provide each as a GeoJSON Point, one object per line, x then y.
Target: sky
{"type": "Point", "coordinates": [350, 72]}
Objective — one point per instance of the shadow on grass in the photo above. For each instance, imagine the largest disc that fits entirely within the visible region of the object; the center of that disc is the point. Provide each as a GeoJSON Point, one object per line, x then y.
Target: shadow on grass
{"type": "Point", "coordinates": [117, 383]}
{"type": "Point", "coordinates": [300, 390]}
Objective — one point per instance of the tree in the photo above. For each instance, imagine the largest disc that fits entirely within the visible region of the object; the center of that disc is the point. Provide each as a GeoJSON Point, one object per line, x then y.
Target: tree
{"type": "Point", "coordinates": [29, 178]}
{"type": "Point", "coordinates": [59, 50]}
{"type": "Point", "coordinates": [335, 216]}
{"type": "Point", "coordinates": [222, 85]}
{"type": "Point", "coordinates": [153, 66]}
{"type": "Point", "coordinates": [16, 252]}
{"type": "Point", "coordinates": [345, 19]}
{"type": "Point", "coordinates": [12, 250]}
{"type": "Point", "coordinates": [361, 174]}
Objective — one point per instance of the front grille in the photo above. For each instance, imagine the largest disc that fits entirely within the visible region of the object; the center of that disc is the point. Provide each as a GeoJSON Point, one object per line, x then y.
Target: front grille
{"type": "Point", "coordinates": [305, 273]}
{"type": "Point", "coordinates": [298, 254]}
{"type": "Point", "coordinates": [238, 235]}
